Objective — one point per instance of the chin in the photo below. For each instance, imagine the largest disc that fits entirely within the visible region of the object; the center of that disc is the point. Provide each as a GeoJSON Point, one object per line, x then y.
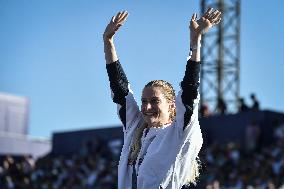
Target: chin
{"type": "Point", "coordinates": [154, 123]}
{"type": "Point", "coordinates": [150, 121]}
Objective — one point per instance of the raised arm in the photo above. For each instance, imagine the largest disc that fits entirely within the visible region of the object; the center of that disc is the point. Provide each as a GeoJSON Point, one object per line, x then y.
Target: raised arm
{"type": "Point", "coordinates": [108, 37]}
{"type": "Point", "coordinates": [117, 77]}
{"type": "Point", "coordinates": [121, 94]}
{"type": "Point", "coordinates": [190, 82]}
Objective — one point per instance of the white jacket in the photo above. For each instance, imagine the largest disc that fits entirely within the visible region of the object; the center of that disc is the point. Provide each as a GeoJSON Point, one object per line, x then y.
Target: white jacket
{"type": "Point", "coordinates": [168, 152]}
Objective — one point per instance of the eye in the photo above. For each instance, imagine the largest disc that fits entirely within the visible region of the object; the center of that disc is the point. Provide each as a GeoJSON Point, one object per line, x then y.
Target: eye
{"type": "Point", "coordinates": [144, 101]}
{"type": "Point", "coordinates": [155, 101]}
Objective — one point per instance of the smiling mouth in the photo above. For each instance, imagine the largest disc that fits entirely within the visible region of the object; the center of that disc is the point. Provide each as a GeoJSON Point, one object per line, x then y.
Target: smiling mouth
{"type": "Point", "coordinates": [150, 114]}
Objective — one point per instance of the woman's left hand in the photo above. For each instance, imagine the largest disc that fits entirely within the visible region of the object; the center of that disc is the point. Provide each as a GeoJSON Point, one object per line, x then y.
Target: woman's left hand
{"type": "Point", "coordinates": [202, 25]}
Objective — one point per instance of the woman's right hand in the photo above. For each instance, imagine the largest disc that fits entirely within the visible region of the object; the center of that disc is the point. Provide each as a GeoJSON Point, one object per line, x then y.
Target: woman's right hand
{"type": "Point", "coordinates": [115, 23]}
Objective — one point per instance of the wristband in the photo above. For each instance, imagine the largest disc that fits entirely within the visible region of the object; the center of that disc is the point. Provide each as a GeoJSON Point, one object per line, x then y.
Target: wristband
{"type": "Point", "coordinates": [194, 47]}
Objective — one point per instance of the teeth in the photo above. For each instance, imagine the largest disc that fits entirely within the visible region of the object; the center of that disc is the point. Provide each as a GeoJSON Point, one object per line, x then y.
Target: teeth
{"type": "Point", "coordinates": [149, 114]}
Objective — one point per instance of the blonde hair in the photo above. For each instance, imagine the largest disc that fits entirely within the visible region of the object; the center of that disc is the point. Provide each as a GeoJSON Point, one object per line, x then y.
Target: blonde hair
{"type": "Point", "coordinates": [193, 174]}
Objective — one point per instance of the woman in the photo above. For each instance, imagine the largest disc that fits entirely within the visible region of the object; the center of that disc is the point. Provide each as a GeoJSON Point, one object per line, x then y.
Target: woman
{"type": "Point", "coordinates": [162, 141]}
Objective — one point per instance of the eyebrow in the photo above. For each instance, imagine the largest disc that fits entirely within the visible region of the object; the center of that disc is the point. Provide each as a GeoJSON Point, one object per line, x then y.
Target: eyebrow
{"type": "Point", "coordinates": [155, 98]}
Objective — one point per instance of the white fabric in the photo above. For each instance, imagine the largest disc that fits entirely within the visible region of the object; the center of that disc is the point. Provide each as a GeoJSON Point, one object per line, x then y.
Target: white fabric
{"type": "Point", "coordinates": [167, 152]}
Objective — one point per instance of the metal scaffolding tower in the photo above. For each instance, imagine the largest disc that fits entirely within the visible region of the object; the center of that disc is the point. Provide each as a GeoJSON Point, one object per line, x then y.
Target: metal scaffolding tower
{"type": "Point", "coordinates": [221, 57]}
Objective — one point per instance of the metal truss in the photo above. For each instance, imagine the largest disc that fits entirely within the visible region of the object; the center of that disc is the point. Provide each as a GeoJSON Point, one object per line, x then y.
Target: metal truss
{"type": "Point", "coordinates": [220, 57]}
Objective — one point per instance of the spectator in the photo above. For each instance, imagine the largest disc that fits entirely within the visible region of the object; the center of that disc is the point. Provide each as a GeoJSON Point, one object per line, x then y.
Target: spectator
{"type": "Point", "coordinates": [242, 105]}
{"type": "Point", "coordinates": [279, 131]}
{"type": "Point", "coordinates": [221, 106]}
{"type": "Point", "coordinates": [204, 110]}
{"type": "Point", "coordinates": [252, 137]}
{"type": "Point", "coordinates": [255, 103]}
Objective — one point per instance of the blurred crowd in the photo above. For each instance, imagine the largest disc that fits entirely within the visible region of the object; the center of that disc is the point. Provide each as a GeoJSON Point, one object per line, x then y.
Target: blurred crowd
{"type": "Point", "coordinates": [251, 166]}
{"type": "Point", "coordinates": [224, 166]}
{"type": "Point", "coordinates": [94, 167]}
{"type": "Point", "coordinates": [229, 166]}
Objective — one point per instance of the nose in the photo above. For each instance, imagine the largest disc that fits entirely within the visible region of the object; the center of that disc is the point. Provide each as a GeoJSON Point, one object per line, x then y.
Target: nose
{"type": "Point", "coordinates": [147, 106]}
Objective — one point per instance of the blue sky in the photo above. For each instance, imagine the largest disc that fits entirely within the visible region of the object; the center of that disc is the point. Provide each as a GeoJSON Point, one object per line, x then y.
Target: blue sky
{"type": "Point", "coordinates": [52, 52]}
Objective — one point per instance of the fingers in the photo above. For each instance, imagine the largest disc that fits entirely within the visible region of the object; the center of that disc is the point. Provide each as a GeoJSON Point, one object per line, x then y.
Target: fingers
{"type": "Point", "coordinates": [123, 17]}
{"type": "Point", "coordinates": [214, 16]}
{"type": "Point", "coordinates": [194, 17]}
{"type": "Point", "coordinates": [120, 17]}
{"type": "Point", "coordinates": [217, 21]}
{"type": "Point", "coordinates": [207, 13]}
{"type": "Point", "coordinates": [117, 17]}
{"type": "Point", "coordinates": [112, 19]}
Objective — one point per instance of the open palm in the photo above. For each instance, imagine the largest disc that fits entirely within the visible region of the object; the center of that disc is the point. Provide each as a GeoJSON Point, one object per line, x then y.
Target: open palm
{"type": "Point", "coordinates": [202, 25]}
{"type": "Point", "coordinates": [115, 23]}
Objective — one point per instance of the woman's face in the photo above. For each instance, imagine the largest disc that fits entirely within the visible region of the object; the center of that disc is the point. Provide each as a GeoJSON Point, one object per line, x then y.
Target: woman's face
{"type": "Point", "coordinates": [155, 107]}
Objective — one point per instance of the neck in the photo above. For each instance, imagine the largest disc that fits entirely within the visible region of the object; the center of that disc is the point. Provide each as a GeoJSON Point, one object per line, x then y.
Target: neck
{"type": "Point", "coordinates": [158, 125]}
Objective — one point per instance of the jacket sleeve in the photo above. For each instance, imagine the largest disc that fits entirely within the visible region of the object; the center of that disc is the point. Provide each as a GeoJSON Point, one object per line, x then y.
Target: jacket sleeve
{"type": "Point", "coordinates": [188, 97]}
{"type": "Point", "coordinates": [122, 95]}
